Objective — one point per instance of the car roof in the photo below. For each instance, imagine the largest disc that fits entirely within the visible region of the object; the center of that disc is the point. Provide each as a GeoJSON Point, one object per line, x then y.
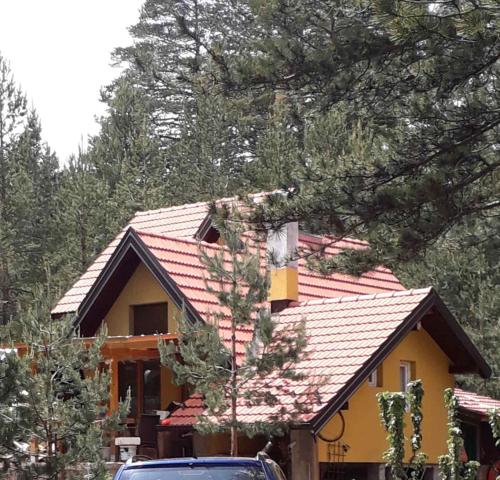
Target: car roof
{"type": "Point", "coordinates": [172, 462]}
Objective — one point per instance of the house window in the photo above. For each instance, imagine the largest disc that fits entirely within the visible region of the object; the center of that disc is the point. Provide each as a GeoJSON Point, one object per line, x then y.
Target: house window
{"type": "Point", "coordinates": [150, 319]}
{"type": "Point", "coordinates": [375, 378]}
{"type": "Point", "coordinates": [406, 374]}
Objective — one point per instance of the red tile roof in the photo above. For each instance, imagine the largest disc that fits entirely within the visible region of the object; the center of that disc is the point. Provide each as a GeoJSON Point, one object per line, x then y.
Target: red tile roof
{"type": "Point", "coordinates": [475, 403]}
{"type": "Point", "coordinates": [348, 319]}
{"type": "Point", "coordinates": [187, 415]}
{"type": "Point", "coordinates": [182, 222]}
{"type": "Point", "coordinates": [181, 260]}
{"type": "Point", "coordinates": [313, 285]}
{"type": "Point", "coordinates": [343, 335]}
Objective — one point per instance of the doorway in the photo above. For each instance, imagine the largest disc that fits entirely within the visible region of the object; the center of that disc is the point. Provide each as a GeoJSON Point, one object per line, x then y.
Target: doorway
{"type": "Point", "coordinates": [143, 379]}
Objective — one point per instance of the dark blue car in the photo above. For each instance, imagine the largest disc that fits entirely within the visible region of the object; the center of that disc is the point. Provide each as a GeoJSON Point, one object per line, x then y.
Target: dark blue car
{"type": "Point", "coordinates": [217, 468]}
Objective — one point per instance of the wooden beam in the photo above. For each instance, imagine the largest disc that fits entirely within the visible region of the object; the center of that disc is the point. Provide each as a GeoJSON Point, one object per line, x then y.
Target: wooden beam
{"type": "Point", "coordinates": [145, 342]}
{"type": "Point", "coordinates": [456, 369]}
{"type": "Point", "coordinates": [126, 354]}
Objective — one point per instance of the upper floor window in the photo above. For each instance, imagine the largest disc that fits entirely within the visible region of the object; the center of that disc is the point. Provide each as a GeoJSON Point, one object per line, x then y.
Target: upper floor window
{"type": "Point", "coordinates": [150, 319]}
{"type": "Point", "coordinates": [406, 374]}
{"type": "Point", "coordinates": [375, 378]}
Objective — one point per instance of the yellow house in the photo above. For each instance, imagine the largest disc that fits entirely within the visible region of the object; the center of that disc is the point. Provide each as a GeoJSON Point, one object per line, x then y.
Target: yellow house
{"type": "Point", "coordinates": [366, 334]}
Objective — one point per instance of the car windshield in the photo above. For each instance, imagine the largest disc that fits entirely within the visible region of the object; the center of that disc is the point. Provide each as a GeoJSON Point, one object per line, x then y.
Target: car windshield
{"type": "Point", "coordinates": [215, 472]}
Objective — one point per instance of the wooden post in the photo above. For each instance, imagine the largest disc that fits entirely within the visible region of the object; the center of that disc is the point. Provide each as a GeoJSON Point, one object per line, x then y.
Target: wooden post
{"type": "Point", "coordinates": [114, 392]}
{"type": "Point", "coordinates": [305, 465]}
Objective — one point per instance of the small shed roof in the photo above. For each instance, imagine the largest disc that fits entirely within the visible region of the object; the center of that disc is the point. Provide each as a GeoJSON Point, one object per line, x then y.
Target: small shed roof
{"type": "Point", "coordinates": [475, 403]}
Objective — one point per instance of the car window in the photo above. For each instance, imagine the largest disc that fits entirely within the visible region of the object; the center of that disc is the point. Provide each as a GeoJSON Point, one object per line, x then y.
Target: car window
{"type": "Point", "coordinates": [232, 472]}
{"type": "Point", "coordinates": [277, 472]}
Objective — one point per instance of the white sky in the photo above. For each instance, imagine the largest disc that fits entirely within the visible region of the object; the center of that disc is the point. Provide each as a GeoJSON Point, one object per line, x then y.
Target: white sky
{"type": "Point", "coordinates": [60, 54]}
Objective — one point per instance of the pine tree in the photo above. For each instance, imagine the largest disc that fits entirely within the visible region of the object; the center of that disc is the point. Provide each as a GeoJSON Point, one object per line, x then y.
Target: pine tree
{"type": "Point", "coordinates": [163, 59]}
{"type": "Point", "coordinates": [126, 156]}
{"type": "Point", "coordinates": [228, 378]}
{"type": "Point", "coordinates": [31, 205]}
{"type": "Point", "coordinates": [82, 214]}
{"type": "Point", "coordinates": [421, 79]}
{"type": "Point", "coordinates": [207, 162]}
{"type": "Point", "coordinates": [12, 116]}
{"type": "Point", "coordinates": [53, 402]}
{"type": "Point", "coordinates": [201, 135]}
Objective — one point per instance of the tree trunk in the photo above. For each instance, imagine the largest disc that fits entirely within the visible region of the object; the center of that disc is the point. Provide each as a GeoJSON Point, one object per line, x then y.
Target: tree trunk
{"type": "Point", "coordinates": [234, 393]}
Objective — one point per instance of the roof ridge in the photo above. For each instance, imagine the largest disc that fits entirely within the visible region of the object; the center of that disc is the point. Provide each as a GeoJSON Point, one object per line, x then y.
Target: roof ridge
{"type": "Point", "coordinates": [331, 240]}
{"type": "Point", "coordinates": [188, 240]}
{"type": "Point", "coordinates": [370, 296]}
{"type": "Point", "coordinates": [172, 208]}
{"type": "Point", "coordinates": [256, 195]}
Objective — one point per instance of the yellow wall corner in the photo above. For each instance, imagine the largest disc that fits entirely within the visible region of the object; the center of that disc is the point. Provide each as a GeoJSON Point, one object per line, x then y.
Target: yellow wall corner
{"type": "Point", "coordinates": [284, 284]}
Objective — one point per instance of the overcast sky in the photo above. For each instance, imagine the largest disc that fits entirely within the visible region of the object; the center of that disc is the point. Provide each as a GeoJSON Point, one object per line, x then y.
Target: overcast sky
{"type": "Point", "coordinates": [59, 51]}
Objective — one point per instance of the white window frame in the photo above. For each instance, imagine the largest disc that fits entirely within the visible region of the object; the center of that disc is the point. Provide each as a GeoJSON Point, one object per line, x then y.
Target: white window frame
{"type": "Point", "coordinates": [405, 377]}
{"type": "Point", "coordinates": [373, 378]}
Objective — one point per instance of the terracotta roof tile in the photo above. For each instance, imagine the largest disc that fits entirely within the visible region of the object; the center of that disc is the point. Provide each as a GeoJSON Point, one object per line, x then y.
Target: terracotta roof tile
{"type": "Point", "coordinates": [338, 352]}
{"type": "Point", "coordinates": [187, 414]}
{"type": "Point", "coordinates": [475, 403]}
{"type": "Point", "coordinates": [180, 221]}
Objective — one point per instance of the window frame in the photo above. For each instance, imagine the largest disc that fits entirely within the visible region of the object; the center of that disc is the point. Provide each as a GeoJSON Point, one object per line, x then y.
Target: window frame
{"type": "Point", "coordinates": [409, 369]}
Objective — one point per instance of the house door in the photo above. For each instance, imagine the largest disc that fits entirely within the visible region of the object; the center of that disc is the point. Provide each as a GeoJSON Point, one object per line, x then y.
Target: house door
{"type": "Point", "coordinates": [143, 379]}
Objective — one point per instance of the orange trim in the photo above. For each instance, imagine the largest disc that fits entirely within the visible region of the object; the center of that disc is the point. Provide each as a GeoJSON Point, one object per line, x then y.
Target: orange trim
{"type": "Point", "coordinates": [133, 347]}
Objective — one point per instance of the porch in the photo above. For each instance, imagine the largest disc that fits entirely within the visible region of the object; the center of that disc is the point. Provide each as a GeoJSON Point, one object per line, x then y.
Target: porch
{"type": "Point", "coordinates": [133, 362]}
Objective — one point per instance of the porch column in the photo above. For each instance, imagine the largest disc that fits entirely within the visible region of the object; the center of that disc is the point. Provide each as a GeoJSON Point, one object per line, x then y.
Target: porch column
{"type": "Point", "coordinates": [376, 471]}
{"type": "Point", "coordinates": [114, 391]}
{"type": "Point", "coordinates": [305, 465]}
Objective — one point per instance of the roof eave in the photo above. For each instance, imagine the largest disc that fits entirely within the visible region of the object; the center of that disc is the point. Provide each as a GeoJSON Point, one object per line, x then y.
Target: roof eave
{"type": "Point", "coordinates": [482, 367]}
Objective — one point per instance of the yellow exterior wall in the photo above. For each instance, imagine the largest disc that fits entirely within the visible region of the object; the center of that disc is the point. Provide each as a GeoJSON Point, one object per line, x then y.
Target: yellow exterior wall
{"type": "Point", "coordinates": [363, 431]}
{"type": "Point", "coordinates": [142, 288]}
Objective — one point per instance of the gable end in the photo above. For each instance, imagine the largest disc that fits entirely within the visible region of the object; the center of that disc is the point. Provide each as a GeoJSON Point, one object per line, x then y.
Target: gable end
{"type": "Point", "coordinates": [438, 321]}
{"type": "Point", "coordinates": [129, 253]}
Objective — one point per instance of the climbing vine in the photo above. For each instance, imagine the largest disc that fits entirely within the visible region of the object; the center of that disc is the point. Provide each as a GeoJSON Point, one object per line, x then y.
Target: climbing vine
{"type": "Point", "coordinates": [393, 409]}
{"type": "Point", "coordinates": [450, 465]}
{"type": "Point", "coordinates": [494, 420]}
